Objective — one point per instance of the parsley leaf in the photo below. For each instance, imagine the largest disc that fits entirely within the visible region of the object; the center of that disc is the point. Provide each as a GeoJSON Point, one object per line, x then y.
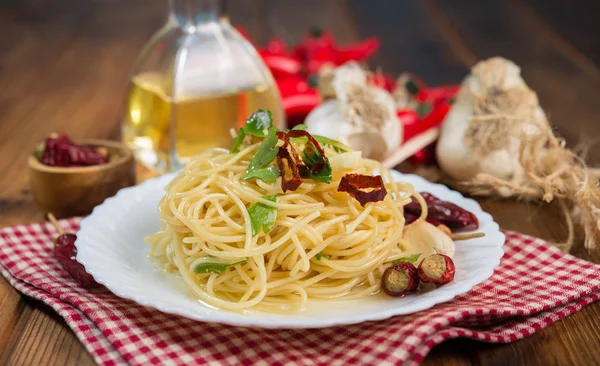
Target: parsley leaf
{"type": "Point", "coordinates": [258, 122]}
{"type": "Point", "coordinates": [255, 125]}
{"type": "Point", "coordinates": [319, 256]}
{"type": "Point", "coordinates": [411, 259]}
{"type": "Point", "coordinates": [267, 151]}
{"type": "Point", "coordinates": [237, 142]}
{"type": "Point", "coordinates": [268, 175]}
{"type": "Point", "coordinates": [218, 268]}
{"type": "Point", "coordinates": [263, 216]}
{"type": "Point", "coordinates": [337, 146]}
{"type": "Point", "coordinates": [310, 157]}
{"type": "Point", "coordinates": [300, 127]}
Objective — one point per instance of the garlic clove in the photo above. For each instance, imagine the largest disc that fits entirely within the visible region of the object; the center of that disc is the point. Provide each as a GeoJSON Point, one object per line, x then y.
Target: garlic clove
{"type": "Point", "coordinates": [346, 161]}
{"type": "Point", "coordinates": [422, 237]}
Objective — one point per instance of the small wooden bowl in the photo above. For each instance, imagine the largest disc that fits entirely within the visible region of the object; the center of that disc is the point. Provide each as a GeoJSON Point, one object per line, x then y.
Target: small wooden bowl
{"type": "Point", "coordinates": [72, 191]}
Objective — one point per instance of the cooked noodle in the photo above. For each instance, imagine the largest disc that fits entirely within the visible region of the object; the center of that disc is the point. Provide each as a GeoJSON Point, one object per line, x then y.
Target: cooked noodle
{"type": "Point", "coordinates": [323, 245]}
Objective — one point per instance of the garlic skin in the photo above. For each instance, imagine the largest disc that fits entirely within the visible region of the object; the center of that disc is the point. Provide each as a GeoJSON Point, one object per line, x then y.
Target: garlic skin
{"type": "Point", "coordinates": [422, 237]}
{"type": "Point", "coordinates": [483, 130]}
{"type": "Point", "coordinates": [343, 118]}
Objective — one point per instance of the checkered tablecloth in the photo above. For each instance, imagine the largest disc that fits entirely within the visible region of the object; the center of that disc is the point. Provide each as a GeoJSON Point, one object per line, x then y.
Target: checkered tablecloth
{"type": "Point", "coordinates": [534, 286]}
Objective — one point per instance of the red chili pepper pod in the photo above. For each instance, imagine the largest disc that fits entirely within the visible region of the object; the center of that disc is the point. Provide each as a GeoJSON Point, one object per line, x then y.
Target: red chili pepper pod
{"type": "Point", "coordinates": [439, 94]}
{"type": "Point", "coordinates": [410, 122]}
{"type": "Point", "coordinates": [276, 46]}
{"type": "Point", "coordinates": [281, 65]}
{"type": "Point", "coordinates": [297, 99]}
{"type": "Point", "coordinates": [413, 125]}
{"type": "Point", "coordinates": [382, 80]}
{"type": "Point", "coordinates": [358, 51]}
{"type": "Point", "coordinates": [314, 44]}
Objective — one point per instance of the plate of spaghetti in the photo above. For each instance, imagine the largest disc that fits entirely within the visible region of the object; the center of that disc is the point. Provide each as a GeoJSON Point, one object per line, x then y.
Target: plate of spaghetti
{"type": "Point", "coordinates": [288, 230]}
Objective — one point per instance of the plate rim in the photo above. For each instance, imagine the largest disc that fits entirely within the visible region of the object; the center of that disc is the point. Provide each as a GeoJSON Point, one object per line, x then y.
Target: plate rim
{"type": "Point", "coordinates": [497, 239]}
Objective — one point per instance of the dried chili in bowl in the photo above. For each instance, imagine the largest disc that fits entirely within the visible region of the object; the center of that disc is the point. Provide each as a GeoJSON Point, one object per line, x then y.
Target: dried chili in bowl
{"type": "Point", "coordinates": [60, 151]}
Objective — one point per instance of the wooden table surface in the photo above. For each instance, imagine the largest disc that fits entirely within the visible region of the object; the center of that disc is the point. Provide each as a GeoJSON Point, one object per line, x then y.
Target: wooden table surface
{"type": "Point", "coordinates": [64, 67]}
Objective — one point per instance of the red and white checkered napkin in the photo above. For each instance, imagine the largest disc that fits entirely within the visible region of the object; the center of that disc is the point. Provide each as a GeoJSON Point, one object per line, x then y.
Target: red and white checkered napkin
{"type": "Point", "coordinates": [534, 286]}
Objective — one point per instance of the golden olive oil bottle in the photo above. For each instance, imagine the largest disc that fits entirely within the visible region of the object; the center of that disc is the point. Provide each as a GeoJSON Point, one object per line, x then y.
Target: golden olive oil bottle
{"type": "Point", "coordinates": [195, 80]}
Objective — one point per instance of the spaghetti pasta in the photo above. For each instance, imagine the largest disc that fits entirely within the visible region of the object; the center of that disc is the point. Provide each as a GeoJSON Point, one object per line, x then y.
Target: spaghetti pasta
{"type": "Point", "coordinates": [323, 244]}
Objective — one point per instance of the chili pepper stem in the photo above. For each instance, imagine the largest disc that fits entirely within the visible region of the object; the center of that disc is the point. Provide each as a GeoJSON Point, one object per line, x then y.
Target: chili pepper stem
{"type": "Point", "coordinates": [446, 230]}
{"type": "Point", "coordinates": [55, 223]}
{"type": "Point", "coordinates": [466, 236]}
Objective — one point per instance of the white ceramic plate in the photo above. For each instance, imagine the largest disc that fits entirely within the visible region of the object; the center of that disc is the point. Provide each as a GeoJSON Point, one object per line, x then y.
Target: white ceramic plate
{"type": "Point", "coordinates": [110, 244]}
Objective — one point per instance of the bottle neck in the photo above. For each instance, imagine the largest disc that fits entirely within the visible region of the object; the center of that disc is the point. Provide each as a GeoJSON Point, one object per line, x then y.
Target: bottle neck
{"type": "Point", "coordinates": [190, 13]}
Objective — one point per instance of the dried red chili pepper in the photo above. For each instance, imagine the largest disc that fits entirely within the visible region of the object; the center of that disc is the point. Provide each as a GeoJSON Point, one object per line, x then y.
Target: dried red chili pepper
{"type": "Point", "coordinates": [288, 161]}
{"type": "Point", "coordinates": [61, 151]}
{"type": "Point", "coordinates": [65, 253]}
{"type": "Point", "coordinates": [399, 279]}
{"type": "Point", "coordinates": [437, 268]}
{"type": "Point", "coordinates": [441, 212]}
{"type": "Point", "coordinates": [364, 188]}
{"type": "Point", "coordinates": [311, 144]}
{"type": "Point", "coordinates": [290, 175]}
{"type": "Point", "coordinates": [358, 51]}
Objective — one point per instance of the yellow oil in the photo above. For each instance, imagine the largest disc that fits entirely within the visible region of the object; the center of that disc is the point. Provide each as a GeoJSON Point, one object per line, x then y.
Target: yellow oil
{"type": "Point", "coordinates": [165, 133]}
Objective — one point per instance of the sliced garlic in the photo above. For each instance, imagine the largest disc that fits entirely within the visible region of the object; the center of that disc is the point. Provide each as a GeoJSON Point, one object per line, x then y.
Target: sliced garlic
{"type": "Point", "coordinates": [346, 161]}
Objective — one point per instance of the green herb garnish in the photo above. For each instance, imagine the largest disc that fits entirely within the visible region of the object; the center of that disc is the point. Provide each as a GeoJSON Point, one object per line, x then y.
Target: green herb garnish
{"type": "Point", "coordinates": [263, 216]}
{"type": "Point", "coordinates": [268, 175]}
{"type": "Point", "coordinates": [411, 259]}
{"type": "Point", "coordinates": [217, 268]}
{"type": "Point", "coordinates": [337, 146]}
{"type": "Point", "coordinates": [310, 157]}
{"type": "Point", "coordinates": [319, 256]}
{"type": "Point", "coordinates": [301, 126]}
{"type": "Point", "coordinates": [238, 141]}
{"type": "Point", "coordinates": [267, 151]}
{"type": "Point", "coordinates": [255, 125]}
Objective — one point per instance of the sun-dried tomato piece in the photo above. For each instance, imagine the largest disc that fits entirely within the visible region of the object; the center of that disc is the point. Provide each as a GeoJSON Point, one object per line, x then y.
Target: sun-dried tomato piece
{"type": "Point", "coordinates": [364, 188]}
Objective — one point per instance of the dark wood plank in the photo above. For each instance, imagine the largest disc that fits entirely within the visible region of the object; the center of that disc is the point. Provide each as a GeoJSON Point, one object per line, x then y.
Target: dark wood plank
{"type": "Point", "coordinates": [575, 24]}
{"type": "Point", "coordinates": [410, 42]}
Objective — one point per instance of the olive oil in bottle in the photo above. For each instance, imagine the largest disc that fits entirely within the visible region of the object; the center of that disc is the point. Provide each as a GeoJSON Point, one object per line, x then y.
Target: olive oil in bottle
{"type": "Point", "coordinates": [164, 133]}
{"type": "Point", "coordinates": [195, 79]}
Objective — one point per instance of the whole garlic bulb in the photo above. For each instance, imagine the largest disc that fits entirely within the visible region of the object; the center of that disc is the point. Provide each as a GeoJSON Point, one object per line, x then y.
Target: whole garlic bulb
{"type": "Point", "coordinates": [361, 116]}
{"type": "Point", "coordinates": [483, 130]}
{"type": "Point", "coordinates": [422, 237]}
